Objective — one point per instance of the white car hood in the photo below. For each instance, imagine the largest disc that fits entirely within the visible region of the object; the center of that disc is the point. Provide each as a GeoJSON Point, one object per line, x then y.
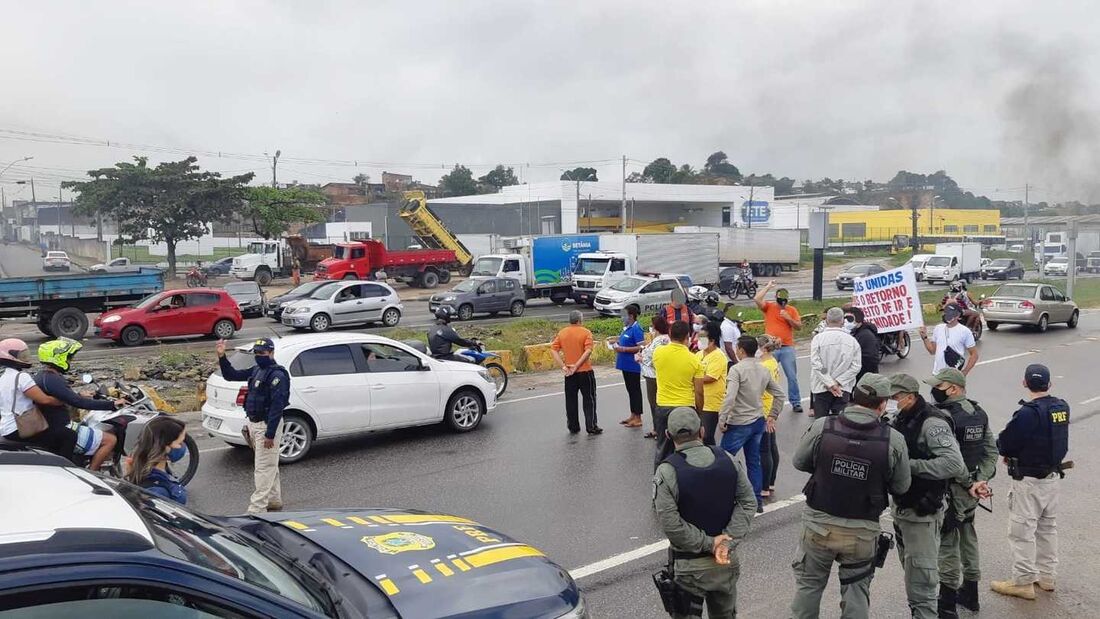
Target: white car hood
{"type": "Point", "coordinates": [615, 295]}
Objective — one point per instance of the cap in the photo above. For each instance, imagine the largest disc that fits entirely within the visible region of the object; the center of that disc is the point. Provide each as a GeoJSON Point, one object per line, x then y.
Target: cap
{"type": "Point", "coordinates": [683, 422]}
{"type": "Point", "coordinates": [951, 312]}
{"type": "Point", "coordinates": [874, 385]}
{"type": "Point", "coordinates": [1037, 375]}
{"type": "Point", "coordinates": [782, 293]}
{"type": "Point", "coordinates": [947, 375]}
{"type": "Point", "coordinates": [903, 383]}
{"type": "Point", "coordinates": [264, 343]}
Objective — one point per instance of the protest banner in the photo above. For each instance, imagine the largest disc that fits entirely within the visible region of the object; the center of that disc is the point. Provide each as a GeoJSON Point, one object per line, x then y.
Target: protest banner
{"type": "Point", "coordinates": [890, 300]}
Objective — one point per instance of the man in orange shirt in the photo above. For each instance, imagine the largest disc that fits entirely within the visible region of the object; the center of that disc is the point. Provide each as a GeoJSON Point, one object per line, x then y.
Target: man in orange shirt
{"type": "Point", "coordinates": [571, 350]}
{"type": "Point", "coordinates": [781, 320]}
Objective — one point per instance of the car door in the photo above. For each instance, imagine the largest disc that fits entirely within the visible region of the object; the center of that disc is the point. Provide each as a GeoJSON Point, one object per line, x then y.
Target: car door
{"type": "Point", "coordinates": [348, 305]}
{"type": "Point", "coordinates": [165, 319]}
{"type": "Point", "coordinates": [655, 295]}
{"type": "Point", "coordinates": [1046, 302]}
{"type": "Point", "coordinates": [332, 386]}
{"type": "Point", "coordinates": [374, 301]}
{"type": "Point", "coordinates": [403, 391]}
{"type": "Point", "coordinates": [1060, 309]}
{"type": "Point", "coordinates": [487, 300]}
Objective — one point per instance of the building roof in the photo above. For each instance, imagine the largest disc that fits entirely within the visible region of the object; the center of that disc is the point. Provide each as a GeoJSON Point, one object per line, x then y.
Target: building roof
{"type": "Point", "coordinates": [641, 192]}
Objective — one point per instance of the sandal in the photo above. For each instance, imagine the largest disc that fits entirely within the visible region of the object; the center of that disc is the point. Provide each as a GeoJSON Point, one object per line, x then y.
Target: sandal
{"type": "Point", "coordinates": [650, 435]}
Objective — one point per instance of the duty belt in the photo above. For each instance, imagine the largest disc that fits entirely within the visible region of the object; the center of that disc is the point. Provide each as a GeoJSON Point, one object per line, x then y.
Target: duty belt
{"type": "Point", "coordinates": [681, 554]}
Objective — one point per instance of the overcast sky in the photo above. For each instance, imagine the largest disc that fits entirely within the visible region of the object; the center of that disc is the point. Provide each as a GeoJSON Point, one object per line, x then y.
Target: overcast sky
{"type": "Point", "coordinates": [996, 92]}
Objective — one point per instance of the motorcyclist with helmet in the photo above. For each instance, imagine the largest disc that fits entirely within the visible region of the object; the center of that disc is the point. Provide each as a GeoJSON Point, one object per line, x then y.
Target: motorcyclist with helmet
{"type": "Point", "coordinates": [442, 337]}
{"type": "Point", "coordinates": [57, 359]}
{"type": "Point", "coordinates": [961, 297]}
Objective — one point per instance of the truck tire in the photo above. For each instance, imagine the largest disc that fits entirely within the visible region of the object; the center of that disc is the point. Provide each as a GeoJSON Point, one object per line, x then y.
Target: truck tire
{"type": "Point", "coordinates": [263, 277]}
{"type": "Point", "coordinates": [69, 322]}
{"type": "Point", "coordinates": [44, 327]}
{"type": "Point", "coordinates": [444, 276]}
{"type": "Point", "coordinates": [132, 336]}
{"type": "Point", "coordinates": [429, 279]}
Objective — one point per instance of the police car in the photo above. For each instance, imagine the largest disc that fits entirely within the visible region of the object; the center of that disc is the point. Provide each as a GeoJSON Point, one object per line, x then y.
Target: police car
{"type": "Point", "coordinates": [649, 292]}
{"type": "Point", "coordinates": [74, 544]}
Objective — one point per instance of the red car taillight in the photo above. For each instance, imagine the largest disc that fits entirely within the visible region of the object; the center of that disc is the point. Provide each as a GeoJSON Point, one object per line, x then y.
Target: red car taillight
{"type": "Point", "coordinates": [242, 393]}
{"type": "Point", "coordinates": [1027, 305]}
{"type": "Point", "coordinates": [986, 303]}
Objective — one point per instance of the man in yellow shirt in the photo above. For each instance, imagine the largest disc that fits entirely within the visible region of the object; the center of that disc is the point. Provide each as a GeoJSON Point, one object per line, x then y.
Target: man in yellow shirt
{"type": "Point", "coordinates": [679, 383]}
{"type": "Point", "coordinates": [715, 363]}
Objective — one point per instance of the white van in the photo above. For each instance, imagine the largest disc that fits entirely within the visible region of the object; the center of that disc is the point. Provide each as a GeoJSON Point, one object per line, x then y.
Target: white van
{"type": "Point", "coordinates": [918, 261]}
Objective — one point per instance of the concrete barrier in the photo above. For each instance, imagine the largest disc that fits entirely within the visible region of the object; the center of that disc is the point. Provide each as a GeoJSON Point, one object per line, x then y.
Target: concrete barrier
{"type": "Point", "coordinates": [505, 360]}
{"type": "Point", "coordinates": [537, 358]}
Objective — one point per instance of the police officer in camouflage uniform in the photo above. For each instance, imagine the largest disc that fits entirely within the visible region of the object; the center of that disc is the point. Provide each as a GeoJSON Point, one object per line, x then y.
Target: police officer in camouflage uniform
{"type": "Point", "coordinates": [705, 505]}
{"type": "Point", "coordinates": [934, 460]}
{"type": "Point", "coordinates": [959, 540]}
{"type": "Point", "coordinates": [856, 461]}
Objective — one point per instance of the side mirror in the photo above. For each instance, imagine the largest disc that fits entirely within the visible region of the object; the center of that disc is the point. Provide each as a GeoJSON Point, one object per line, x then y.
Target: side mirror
{"type": "Point", "coordinates": [87, 379]}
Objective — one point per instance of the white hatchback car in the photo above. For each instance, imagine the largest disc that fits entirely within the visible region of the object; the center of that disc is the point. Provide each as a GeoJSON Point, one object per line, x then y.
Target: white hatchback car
{"type": "Point", "coordinates": [350, 383]}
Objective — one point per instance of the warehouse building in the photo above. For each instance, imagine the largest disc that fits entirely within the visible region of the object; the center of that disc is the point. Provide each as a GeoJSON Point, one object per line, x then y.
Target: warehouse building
{"type": "Point", "coordinates": [848, 228]}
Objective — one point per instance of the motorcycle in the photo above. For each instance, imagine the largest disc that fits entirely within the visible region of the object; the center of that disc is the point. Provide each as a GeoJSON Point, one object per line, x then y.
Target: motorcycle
{"type": "Point", "coordinates": [196, 278]}
{"type": "Point", "coordinates": [897, 343]}
{"type": "Point", "coordinates": [742, 284]}
{"type": "Point", "coordinates": [487, 360]}
{"type": "Point", "coordinates": [971, 318]}
{"type": "Point", "coordinates": [127, 423]}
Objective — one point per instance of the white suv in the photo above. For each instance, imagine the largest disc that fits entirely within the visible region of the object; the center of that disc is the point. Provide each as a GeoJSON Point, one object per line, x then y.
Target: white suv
{"type": "Point", "coordinates": [350, 383]}
{"type": "Point", "coordinates": [648, 293]}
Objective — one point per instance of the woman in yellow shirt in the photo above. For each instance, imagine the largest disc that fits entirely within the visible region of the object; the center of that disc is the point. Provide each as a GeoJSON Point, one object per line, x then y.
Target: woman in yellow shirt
{"type": "Point", "coordinates": [769, 448]}
{"type": "Point", "coordinates": [715, 365]}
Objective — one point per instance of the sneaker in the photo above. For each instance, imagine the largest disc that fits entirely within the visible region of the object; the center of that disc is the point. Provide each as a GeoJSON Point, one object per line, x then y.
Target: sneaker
{"type": "Point", "coordinates": [274, 507]}
{"type": "Point", "coordinates": [596, 430]}
{"type": "Point", "coordinates": [797, 408]}
{"type": "Point", "coordinates": [1007, 587]}
{"type": "Point", "coordinates": [1046, 584]}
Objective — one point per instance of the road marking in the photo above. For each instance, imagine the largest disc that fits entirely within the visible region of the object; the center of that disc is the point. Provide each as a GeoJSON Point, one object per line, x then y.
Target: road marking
{"type": "Point", "coordinates": [1090, 400]}
{"type": "Point", "coordinates": [645, 551]}
{"type": "Point", "coordinates": [1007, 357]}
{"type": "Point", "coordinates": [210, 449]}
{"type": "Point", "coordinates": [550, 395]}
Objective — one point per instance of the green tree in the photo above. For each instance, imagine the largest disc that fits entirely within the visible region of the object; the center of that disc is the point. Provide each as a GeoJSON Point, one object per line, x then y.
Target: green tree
{"type": "Point", "coordinates": [173, 202]}
{"type": "Point", "coordinates": [361, 179]}
{"type": "Point", "coordinates": [660, 170]}
{"type": "Point", "coordinates": [580, 174]}
{"type": "Point", "coordinates": [458, 182]}
{"type": "Point", "coordinates": [498, 177]}
{"type": "Point", "coordinates": [272, 210]}
{"type": "Point", "coordinates": [718, 165]}
{"type": "Point", "coordinates": [684, 175]}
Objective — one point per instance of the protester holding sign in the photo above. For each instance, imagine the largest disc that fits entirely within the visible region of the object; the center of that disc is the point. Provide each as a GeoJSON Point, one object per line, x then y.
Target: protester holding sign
{"type": "Point", "coordinates": [889, 300]}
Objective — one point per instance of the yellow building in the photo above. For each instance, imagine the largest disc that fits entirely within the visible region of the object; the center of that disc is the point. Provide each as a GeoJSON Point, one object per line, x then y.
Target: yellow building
{"type": "Point", "coordinates": [884, 225]}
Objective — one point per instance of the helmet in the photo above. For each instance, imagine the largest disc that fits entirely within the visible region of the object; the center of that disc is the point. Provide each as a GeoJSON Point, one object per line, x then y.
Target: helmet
{"type": "Point", "coordinates": [711, 298]}
{"type": "Point", "coordinates": [697, 292]}
{"type": "Point", "coordinates": [59, 352]}
{"type": "Point", "coordinates": [14, 351]}
{"type": "Point", "coordinates": [958, 285]}
{"type": "Point", "coordinates": [444, 313]}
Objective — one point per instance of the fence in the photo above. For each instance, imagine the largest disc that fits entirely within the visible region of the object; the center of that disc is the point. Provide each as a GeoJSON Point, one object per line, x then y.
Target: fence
{"type": "Point", "coordinates": [88, 248]}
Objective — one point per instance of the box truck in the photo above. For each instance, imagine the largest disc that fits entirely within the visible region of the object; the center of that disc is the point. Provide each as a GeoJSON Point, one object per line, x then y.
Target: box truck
{"type": "Point", "coordinates": [953, 261]}
{"type": "Point", "coordinates": [623, 255]}
{"type": "Point", "coordinates": [767, 250]}
{"type": "Point", "coordinates": [543, 265]}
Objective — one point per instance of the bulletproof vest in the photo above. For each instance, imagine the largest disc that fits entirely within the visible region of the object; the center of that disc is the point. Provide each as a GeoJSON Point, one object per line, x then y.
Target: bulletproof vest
{"type": "Point", "coordinates": [258, 399]}
{"type": "Point", "coordinates": [683, 314]}
{"type": "Point", "coordinates": [1048, 446]}
{"type": "Point", "coordinates": [970, 429]}
{"type": "Point", "coordinates": [707, 494]}
{"type": "Point", "coordinates": [925, 496]}
{"type": "Point", "coordinates": [852, 469]}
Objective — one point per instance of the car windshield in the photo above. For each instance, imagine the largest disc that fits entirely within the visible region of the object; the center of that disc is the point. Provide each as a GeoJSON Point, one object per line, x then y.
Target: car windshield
{"type": "Point", "coordinates": [469, 285]}
{"type": "Point", "coordinates": [189, 537]}
{"type": "Point", "coordinates": [307, 288]}
{"type": "Point", "coordinates": [242, 289]}
{"type": "Point", "coordinates": [629, 284]}
{"type": "Point", "coordinates": [1000, 262]}
{"type": "Point", "coordinates": [1059, 260]}
{"type": "Point", "coordinates": [859, 269]}
{"type": "Point", "coordinates": [324, 292]}
{"type": "Point", "coordinates": [592, 266]}
{"type": "Point", "coordinates": [150, 300]}
{"type": "Point", "coordinates": [486, 267]}
{"type": "Point", "coordinates": [56, 254]}
{"type": "Point", "coordinates": [256, 248]}
{"type": "Point", "coordinates": [1018, 291]}
{"type": "Point", "coordinates": [939, 261]}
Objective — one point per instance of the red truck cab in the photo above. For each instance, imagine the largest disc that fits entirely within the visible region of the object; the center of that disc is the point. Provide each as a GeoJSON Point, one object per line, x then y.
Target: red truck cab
{"type": "Point", "coordinates": [362, 259]}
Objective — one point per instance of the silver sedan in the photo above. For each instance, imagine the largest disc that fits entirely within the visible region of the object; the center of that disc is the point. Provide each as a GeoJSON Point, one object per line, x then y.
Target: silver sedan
{"type": "Point", "coordinates": [1036, 305]}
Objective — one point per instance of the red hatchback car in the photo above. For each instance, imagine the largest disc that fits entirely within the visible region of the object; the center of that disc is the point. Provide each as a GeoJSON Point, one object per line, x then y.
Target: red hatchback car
{"type": "Point", "coordinates": [191, 311]}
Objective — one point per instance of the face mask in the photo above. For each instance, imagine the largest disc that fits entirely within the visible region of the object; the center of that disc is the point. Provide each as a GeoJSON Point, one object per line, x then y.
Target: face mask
{"type": "Point", "coordinates": [849, 326]}
{"type": "Point", "coordinates": [177, 453]}
{"type": "Point", "coordinates": [939, 395]}
{"type": "Point", "coordinates": [781, 302]}
{"type": "Point", "coordinates": [697, 327]}
{"type": "Point", "coordinates": [703, 343]}
{"type": "Point", "coordinates": [892, 407]}
{"type": "Point", "coordinates": [264, 361]}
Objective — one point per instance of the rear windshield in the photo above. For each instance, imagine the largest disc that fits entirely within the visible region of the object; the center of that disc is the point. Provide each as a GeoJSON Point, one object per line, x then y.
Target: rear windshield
{"type": "Point", "coordinates": [1015, 290]}
{"type": "Point", "coordinates": [242, 288]}
{"type": "Point", "coordinates": [1000, 262]}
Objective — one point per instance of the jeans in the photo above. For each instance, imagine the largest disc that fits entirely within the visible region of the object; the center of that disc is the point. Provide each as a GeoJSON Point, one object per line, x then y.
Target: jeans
{"type": "Point", "coordinates": [747, 436]}
{"type": "Point", "coordinates": [583, 383]}
{"type": "Point", "coordinates": [786, 357]}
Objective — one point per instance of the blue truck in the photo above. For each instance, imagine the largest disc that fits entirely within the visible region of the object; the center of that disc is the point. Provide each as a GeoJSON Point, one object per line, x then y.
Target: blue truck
{"type": "Point", "coordinates": [543, 265]}
{"type": "Point", "coordinates": [61, 303]}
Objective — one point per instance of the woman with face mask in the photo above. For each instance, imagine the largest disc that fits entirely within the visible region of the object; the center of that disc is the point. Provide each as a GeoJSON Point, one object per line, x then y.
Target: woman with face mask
{"type": "Point", "coordinates": [629, 343]}
{"type": "Point", "coordinates": [160, 443]}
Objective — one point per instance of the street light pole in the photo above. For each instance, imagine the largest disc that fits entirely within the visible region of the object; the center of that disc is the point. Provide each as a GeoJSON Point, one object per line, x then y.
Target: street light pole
{"type": "Point", "coordinates": [15, 162]}
{"type": "Point", "coordinates": [274, 164]}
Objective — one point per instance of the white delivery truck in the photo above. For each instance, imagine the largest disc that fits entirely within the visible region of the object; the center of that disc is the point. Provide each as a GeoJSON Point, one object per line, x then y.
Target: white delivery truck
{"type": "Point", "coordinates": [624, 255]}
{"type": "Point", "coordinates": [543, 265]}
{"type": "Point", "coordinates": [767, 250]}
{"type": "Point", "coordinates": [954, 261]}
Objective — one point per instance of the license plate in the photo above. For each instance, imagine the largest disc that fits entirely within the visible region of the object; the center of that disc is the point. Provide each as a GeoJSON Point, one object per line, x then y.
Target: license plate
{"type": "Point", "coordinates": [213, 423]}
{"type": "Point", "coordinates": [1006, 305]}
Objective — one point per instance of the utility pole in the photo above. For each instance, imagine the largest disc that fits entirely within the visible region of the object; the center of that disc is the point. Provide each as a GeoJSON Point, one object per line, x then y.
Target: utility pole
{"type": "Point", "coordinates": [1027, 226]}
{"type": "Point", "coordinates": [274, 165]}
{"type": "Point", "coordinates": [748, 219]}
{"type": "Point", "coordinates": [915, 243]}
{"type": "Point", "coordinates": [623, 207]}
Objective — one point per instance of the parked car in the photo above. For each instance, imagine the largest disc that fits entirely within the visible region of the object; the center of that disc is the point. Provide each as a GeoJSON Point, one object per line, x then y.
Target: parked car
{"type": "Point", "coordinates": [1036, 305]}
{"type": "Point", "coordinates": [648, 293]}
{"type": "Point", "coordinates": [173, 313]}
{"type": "Point", "coordinates": [118, 265]}
{"type": "Point", "coordinates": [218, 267]}
{"type": "Point", "coordinates": [491, 295]}
{"type": "Point", "coordinates": [1058, 265]}
{"type": "Point", "coordinates": [351, 383]}
{"type": "Point", "coordinates": [249, 297]}
{"type": "Point", "coordinates": [77, 544]}
{"type": "Point", "coordinates": [275, 304]}
{"type": "Point", "coordinates": [56, 261]}
{"type": "Point", "coordinates": [1003, 268]}
{"type": "Point", "coordinates": [347, 303]}
{"type": "Point", "coordinates": [1016, 248]}
{"type": "Point", "coordinates": [846, 278]}
{"type": "Point", "coordinates": [917, 261]}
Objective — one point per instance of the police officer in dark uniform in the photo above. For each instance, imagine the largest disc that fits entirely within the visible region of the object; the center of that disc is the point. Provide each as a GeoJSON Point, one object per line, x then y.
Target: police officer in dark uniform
{"type": "Point", "coordinates": [442, 337]}
{"type": "Point", "coordinates": [959, 540]}
{"type": "Point", "coordinates": [856, 462]}
{"type": "Point", "coordinates": [268, 394]}
{"type": "Point", "coordinates": [705, 505]}
{"type": "Point", "coordinates": [1033, 444]}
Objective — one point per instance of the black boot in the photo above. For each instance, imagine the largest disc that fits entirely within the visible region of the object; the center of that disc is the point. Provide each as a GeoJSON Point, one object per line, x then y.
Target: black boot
{"type": "Point", "coordinates": [946, 606]}
{"type": "Point", "coordinates": [968, 595]}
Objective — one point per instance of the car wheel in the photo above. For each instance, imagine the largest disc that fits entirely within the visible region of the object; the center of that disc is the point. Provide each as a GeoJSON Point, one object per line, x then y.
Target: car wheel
{"type": "Point", "coordinates": [992, 325]}
{"type": "Point", "coordinates": [465, 311]}
{"type": "Point", "coordinates": [132, 336]}
{"type": "Point", "coordinates": [391, 317]}
{"type": "Point", "coordinates": [464, 411]}
{"type": "Point", "coordinates": [1044, 322]}
{"type": "Point", "coordinates": [558, 300]}
{"type": "Point", "coordinates": [69, 322]}
{"type": "Point", "coordinates": [320, 323]}
{"type": "Point", "coordinates": [839, 287]}
{"type": "Point", "coordinates": [429, 279]}
{"type": "Point", "coordinates": [517, 308]}
{"type": "Point", "coordinates": [1072, 322]}
{"type": "Point", "coordinates": [224, 329]}
{"type": "Point", "coordinates": [297, 439]}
